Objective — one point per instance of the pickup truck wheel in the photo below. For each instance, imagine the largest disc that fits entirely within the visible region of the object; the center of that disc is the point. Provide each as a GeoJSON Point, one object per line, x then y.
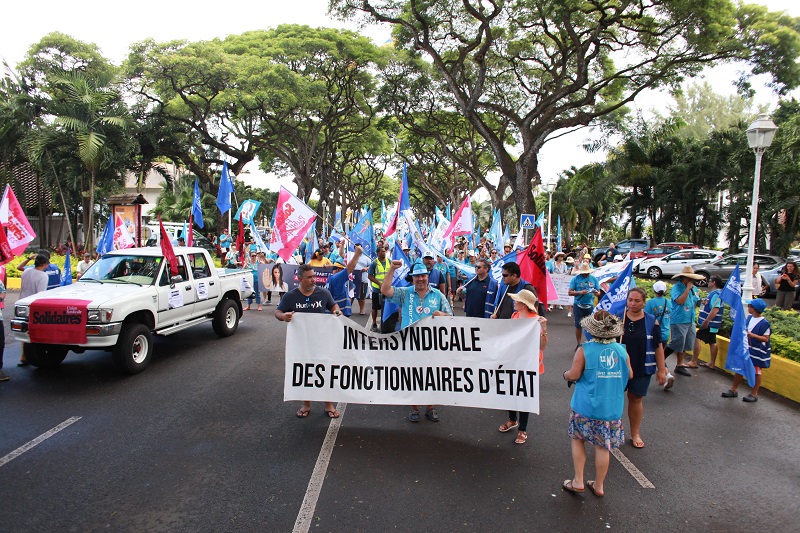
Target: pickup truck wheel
{"type": "Point", "coordinates": [226, 318]}
{"type": "Point", "coordinates": [134, 348]}
{"type": "Point", "coordinates": [45, 355]}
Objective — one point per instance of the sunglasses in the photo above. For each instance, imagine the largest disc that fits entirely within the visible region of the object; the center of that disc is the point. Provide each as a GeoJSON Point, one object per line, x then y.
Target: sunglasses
{"type": "Point", "coordinates": [506, 275]}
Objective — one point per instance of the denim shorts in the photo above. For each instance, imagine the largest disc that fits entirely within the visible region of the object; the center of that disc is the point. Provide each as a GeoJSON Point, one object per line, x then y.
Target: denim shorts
{"type": "Point", "coordinates": [579, 313]}
{"type": "Point", "coordinates": [682, 339]}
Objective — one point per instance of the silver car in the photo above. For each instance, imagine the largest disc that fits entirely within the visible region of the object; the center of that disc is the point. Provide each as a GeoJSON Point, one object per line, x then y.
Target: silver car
{"type": "Point", "coordinates": [723, 267]}
{"type": "Point", "coordinates": [672, 264]}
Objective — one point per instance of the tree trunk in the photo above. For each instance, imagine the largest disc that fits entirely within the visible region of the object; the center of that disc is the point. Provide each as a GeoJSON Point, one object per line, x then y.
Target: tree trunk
{"type": "Point", "coordinates": [90, 222]}
{"type": "Point", "coordinates": [63, 203]}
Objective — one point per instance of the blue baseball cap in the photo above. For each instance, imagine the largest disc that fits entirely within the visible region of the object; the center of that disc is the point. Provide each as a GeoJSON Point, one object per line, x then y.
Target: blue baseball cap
{"type": "Point", "coordinates": [417, 269]}
{"type": "Point", "coordinates": [758, 304]}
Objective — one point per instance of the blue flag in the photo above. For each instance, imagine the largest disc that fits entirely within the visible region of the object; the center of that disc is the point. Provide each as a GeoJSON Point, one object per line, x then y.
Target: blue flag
{"type": "Point", "coordinates": [106, 242]}
{"type": "Point", "coordinates": [558, 238]}
{"type": "Point", "coordinates": [615, 300]}
{"type": "Point", "coordinates": [247, 210]}
{"type": "Point", "coordinates": [313, 243]}
{"type": "Point", "coordinates": [225, 190]}
{"type": "Point", "coordinates": [197, 206]}
{"type": "Point", "coordinates": [496, 232]}
{"type": "Point", "coordinates": [399, 279]}
{"type": "Point", "coordinates": [506, 238]}
{"type": "Point", "coordinates": [738, 359]}
{"type": "Point", "coordinates": [66, 275]}
{"type": "Point", "coordinates": [260, 244]}
{"type": "Point", "coordinates": [363, 233]}
{"type": "Point", "coordinates": [540, 220]}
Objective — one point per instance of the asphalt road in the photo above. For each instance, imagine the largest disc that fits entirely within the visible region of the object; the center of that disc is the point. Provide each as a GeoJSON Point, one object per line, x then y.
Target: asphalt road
{"type": "Point", "coordinates": [202, 441]}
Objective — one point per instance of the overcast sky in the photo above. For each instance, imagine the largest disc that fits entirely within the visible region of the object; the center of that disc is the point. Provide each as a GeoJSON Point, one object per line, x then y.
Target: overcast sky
{"type": "Point", "coordinates": [115, 26]}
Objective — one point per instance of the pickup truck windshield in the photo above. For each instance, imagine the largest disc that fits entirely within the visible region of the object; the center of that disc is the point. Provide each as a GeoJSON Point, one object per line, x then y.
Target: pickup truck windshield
{"type": "Point", "coordinates": [124, 268]}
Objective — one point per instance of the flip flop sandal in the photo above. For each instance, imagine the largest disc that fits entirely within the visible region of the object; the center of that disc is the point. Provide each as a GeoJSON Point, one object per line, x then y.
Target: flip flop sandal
{"type": "Point", "coordinates": [567, 486]}
{"type": "Point", "coordinates": [505, 427]}
{"type": "Point", "coordinates": [590, 484]}
{"type": "Point", "coordinates": [333, 414]}
{"type": "Point", "coordinates": [302, 414]}
{"type": "Point", "coordinates": [633, 443]}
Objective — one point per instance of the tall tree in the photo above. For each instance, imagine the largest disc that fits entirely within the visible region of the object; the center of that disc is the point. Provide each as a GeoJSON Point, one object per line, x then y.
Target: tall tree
{"type": "Point", "coordinates": [544, 66]}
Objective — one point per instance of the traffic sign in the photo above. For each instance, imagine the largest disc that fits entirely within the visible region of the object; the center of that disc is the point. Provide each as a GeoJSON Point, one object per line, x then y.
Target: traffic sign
{"type": "Point", "coordinates": [527, 221]}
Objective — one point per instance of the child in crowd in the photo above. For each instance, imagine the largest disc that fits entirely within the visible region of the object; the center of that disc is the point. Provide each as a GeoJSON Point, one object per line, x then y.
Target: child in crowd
{"type": "Point", "coordinates": [758, 333]}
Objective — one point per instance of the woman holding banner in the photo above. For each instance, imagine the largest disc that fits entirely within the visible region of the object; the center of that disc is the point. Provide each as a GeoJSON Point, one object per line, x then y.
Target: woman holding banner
{"type": "Point", "coordinates": [600, 371]}
{"type": "Point", "coordinates": [525, 307]}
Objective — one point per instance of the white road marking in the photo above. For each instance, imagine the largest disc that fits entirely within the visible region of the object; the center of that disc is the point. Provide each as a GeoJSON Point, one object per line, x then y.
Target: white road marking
{"type": "Point", "coordinates": [38, 440]}
{"type": "Point", "coordinates": [635, 472]}
{"type": "Point", "coordinates": [306, 514]}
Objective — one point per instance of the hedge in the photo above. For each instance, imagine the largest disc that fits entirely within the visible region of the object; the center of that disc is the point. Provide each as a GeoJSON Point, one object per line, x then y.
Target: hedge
{"type": "Point", "coordinates": [785, 338]}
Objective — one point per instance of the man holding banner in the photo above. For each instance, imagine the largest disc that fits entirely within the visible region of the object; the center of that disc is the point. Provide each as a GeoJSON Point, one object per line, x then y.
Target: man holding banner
{"type": "Point", "coordinates": [416, 302]}
{"type": "Point", "coordinates": [308, 298]}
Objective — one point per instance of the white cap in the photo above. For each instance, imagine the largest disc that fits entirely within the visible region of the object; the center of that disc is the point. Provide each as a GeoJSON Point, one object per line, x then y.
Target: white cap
{"type": "Point", "coordinates": [659, 286]}
{"type": "Point", "coordinates": [472, 253]}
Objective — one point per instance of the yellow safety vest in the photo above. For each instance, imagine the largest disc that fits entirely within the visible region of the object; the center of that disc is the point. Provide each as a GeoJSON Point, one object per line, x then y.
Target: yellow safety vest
{"type": "Point", "coordinates": [380, 272]}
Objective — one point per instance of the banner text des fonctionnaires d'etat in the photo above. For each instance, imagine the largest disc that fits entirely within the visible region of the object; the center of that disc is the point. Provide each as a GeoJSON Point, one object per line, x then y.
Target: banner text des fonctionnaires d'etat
{"type": "Point", "coordinates": [468, 362]}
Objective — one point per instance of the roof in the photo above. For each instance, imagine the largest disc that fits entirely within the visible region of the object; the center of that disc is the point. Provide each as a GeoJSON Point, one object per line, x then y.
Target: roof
{"type": "Point", "coordinates": [155, 251]}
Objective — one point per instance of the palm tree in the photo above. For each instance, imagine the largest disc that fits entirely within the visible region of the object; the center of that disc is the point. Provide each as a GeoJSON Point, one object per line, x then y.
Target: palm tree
{"type": "Point", "coordinates": [90, 110]}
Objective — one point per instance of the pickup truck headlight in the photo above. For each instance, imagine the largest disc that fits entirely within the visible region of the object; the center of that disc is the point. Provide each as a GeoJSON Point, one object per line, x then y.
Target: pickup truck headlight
{"type": "Point", "coordinates": [21, 311]}
{"type": "Point", "coordinates": [102, 316]}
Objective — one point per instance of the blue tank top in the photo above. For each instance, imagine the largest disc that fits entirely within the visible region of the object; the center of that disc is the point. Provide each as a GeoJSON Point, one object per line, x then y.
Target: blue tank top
{"type": "Point", "coordinates": [600, 392]}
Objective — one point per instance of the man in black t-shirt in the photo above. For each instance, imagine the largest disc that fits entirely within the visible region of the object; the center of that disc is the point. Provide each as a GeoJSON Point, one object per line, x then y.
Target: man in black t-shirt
{"type": "Point", "coordinates": [307, 298]}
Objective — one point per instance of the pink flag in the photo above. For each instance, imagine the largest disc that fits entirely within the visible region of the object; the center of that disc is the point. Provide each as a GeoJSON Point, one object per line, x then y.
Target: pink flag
{"type": "Point", "coordinates": [292, 220]}
{"type": "Point", "coordinates": [460, 225]}
{"type": "Point", "coordinates": [122, 237]}
{"type": "Point", "coordinates": [20, 232]}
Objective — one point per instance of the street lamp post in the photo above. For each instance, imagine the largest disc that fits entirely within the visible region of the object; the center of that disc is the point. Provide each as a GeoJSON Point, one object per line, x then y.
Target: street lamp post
{"type": "Point", "coordinates": [759, 137]}
{"type": "Point", "coordinates": [549, 187]}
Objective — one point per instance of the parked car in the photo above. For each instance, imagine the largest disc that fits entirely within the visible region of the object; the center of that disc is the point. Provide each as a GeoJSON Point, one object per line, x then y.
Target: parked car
{"type": "Point", "coordinates": [628, 245]}
{"type": "Point", "coordinates": [769, 277]}
{"type": "Point", "coordinates": [665, 248]}
{"type": "Point", "coordinates": [671, 264]}
{"type": "Point", "coordinates": [123, 299]}
{"type": "Point", "coordinates": [723, 267]}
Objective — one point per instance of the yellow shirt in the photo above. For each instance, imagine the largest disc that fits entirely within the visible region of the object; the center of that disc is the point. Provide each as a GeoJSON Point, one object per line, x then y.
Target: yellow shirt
{"type": "Point", "coordinates": [322, 262]}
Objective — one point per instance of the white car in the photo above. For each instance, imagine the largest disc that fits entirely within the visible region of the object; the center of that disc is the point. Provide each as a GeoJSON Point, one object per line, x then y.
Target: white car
{"type": "Point", "coordinates": [672, 264]}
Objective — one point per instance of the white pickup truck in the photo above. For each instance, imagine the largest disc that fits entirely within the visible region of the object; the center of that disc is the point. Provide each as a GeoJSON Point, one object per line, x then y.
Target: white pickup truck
{"type": "Point", "coordinates": [125, 297]}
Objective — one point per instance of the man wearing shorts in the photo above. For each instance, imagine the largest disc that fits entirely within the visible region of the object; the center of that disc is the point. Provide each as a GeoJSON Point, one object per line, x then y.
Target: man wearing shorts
{"type": "Point", "coordinates": [708, 323]}
{"type": "Point", "coordinates": [684, 297]}
{"type": "Point", "coordinates": [584, 287]}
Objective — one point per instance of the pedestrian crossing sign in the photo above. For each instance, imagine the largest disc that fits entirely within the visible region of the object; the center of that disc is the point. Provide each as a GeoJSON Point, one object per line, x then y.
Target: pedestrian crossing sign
{"type": "Point", "coordinates": [527, 221]}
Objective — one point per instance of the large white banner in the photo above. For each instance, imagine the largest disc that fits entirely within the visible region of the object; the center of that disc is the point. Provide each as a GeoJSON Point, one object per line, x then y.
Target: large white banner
{"type": "Point", "coordinates": [470, 362]}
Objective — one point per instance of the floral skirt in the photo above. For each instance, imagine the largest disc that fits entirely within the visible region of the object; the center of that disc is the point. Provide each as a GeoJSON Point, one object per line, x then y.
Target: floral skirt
{"type": "Point", "coordinates": [604, 433]}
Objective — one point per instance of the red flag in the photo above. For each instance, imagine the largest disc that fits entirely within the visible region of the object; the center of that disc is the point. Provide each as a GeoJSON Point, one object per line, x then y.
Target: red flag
{"type": "Point", "coordinates": [190, 233]}
{"type": "Point", "coordinates": [166, 249]}
{"type": "Point", "coordinates": [292, 220]}
{"type": "Point", "coordinates": [240, 241]}
{"type": "Point", "coordinates": [460, 225]}
{"type": "Point", "coordinates": [6, 254]}
{"type": "Point", "coordinates": [20, 232]}
{"type": "Point", "coordinates": [532, 267]}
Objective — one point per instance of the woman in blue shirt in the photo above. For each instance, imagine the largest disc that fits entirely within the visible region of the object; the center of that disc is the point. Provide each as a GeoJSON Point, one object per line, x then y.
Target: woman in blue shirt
{"type": "Point", "coordinates": [600, 370]}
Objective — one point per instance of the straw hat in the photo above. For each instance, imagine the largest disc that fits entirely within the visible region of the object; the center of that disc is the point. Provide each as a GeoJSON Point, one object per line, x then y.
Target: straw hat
{"type": "Point", "coordinates": [688, 272]}
{"type": "Point", "coordinates": [569, 260]}
{"type": "Point", "coordinates": [584, 268]}
{"type": "Point", "coordinates": [608, 328]}
{"type": "Point", "coordinates": [562, 254]}
{"type": "Point", "coordinates": [526, 297]}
